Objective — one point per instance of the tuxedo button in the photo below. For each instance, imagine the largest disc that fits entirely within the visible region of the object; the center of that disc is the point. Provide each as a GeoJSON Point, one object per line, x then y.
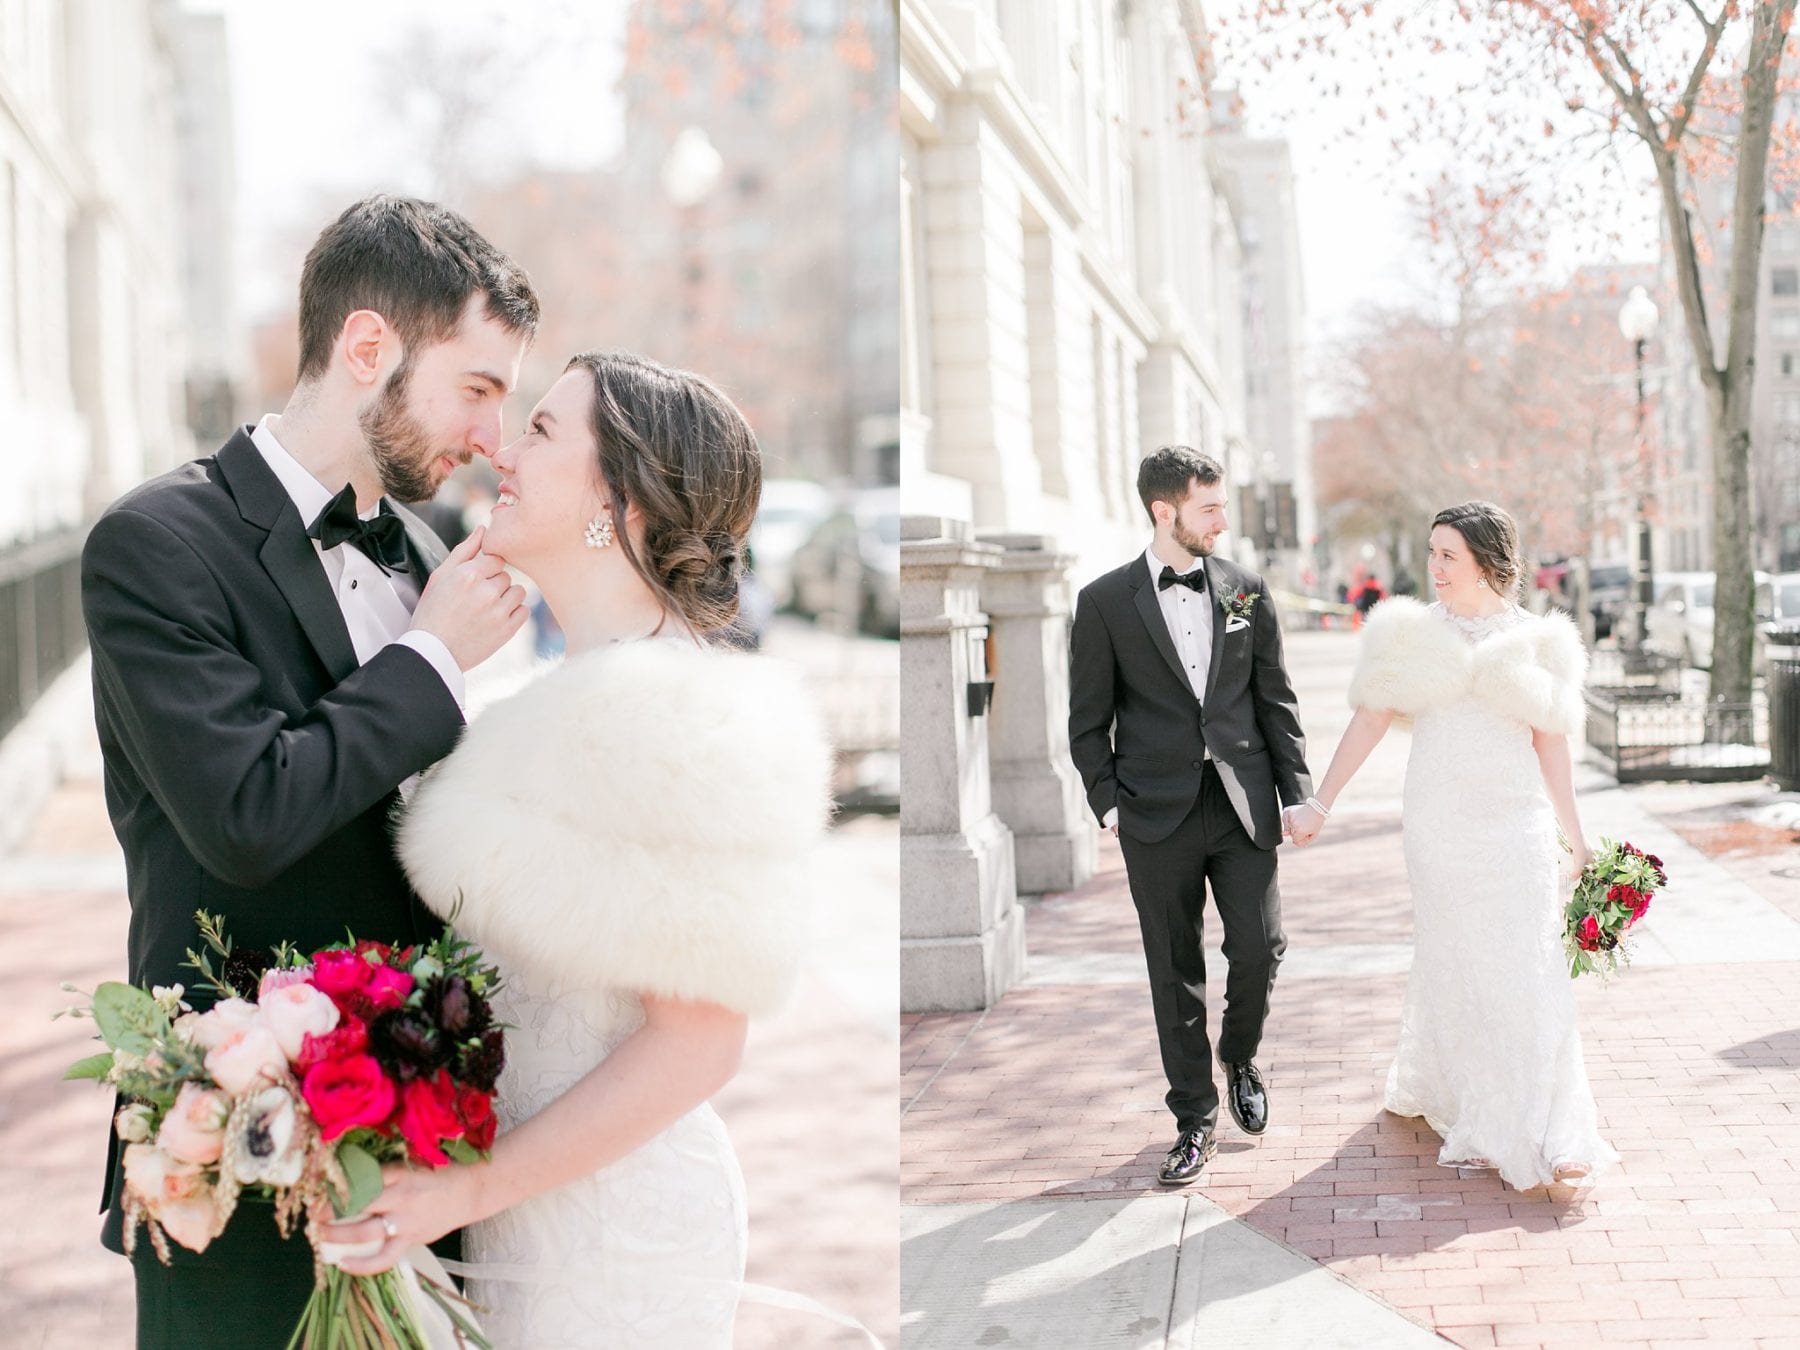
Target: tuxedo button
{"type": "Point", "coordinates": [1197, 763]}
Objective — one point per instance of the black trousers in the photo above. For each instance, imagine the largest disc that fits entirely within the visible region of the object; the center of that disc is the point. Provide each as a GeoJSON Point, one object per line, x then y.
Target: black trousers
{"type": "Point", "coordinates": [245, 1291]}
{"type": "Point", "coordinates": [1169, 880]}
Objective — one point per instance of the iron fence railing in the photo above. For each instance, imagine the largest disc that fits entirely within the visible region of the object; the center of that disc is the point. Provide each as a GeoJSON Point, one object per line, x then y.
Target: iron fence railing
{"type": "Point", "coordinates": [1657, 735]}
{"type": "Point", "coordinates": [40, 619]}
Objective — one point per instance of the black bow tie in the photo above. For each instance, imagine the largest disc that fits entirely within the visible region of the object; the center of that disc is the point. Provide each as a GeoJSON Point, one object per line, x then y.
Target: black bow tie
{"type": "Point", "coordinates": [382, 539]}
{"type": "Point", "coordinates": [1194, 580]}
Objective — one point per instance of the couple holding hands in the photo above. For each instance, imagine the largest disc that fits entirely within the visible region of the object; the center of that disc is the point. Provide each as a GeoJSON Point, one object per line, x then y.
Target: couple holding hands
{"type": "Point", "coordinates": [1185, 729]}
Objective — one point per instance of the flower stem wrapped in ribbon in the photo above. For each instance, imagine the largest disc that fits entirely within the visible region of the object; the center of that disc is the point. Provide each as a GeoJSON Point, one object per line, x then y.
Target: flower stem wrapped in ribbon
{"type": "Point", "coordinates": [1611, 894]}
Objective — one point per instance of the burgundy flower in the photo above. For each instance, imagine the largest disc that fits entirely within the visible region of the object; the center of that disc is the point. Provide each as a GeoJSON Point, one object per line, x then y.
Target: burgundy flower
{"type": "Point", "coordinates": [457, 1010]}
{"type": "Point", "coordinates": [481, 1064]}
{"type": "Point", "coordinates": [408, 1044]}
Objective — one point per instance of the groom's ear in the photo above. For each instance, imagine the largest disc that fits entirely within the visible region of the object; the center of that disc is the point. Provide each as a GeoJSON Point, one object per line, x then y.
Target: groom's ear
{"type": "Point", "coordinates": [370, 346]}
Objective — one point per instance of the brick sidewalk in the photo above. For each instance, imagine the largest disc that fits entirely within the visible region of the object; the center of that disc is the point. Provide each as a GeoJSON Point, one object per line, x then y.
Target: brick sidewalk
{"type": "Point", "coordinates": [818, 1161]}
{"type": "Point", "coordinates": [1057, 1091]}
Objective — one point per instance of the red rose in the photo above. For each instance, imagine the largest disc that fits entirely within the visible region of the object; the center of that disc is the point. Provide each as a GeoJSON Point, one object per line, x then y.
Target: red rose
{"type": "Point", "coordinates": [349, 1037]}
{"type": "Point", "coordinates": [380, 949]}
{"type": "Point", "coordinates": [1638, 907]}
{"type": "Point", "coordinates": [428, 1117]}
{"type": "Point", "coordinates": [346, 1093]}
{"type": "Point", "coordinates": [1622, 894]}
{"type": "Point", "coordinates": [1587, 936]}
{"type": "Point", "coordinates": [476, 1110]}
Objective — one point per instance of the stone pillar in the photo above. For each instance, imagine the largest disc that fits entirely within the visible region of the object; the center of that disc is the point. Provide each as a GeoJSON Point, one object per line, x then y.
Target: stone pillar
{"type": "Point", "coordinates": [962, 932]}
{"type": "Point", "coordinates": [1036, 789]}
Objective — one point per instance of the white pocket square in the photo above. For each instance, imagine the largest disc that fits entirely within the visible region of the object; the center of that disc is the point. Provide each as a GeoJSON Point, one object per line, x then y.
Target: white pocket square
{"type": "Point", "coordinates": [1234, 623]}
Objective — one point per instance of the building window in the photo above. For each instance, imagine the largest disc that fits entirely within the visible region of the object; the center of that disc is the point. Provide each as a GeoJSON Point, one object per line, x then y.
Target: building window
{"type": "Point", "coordinates": [1787, 410]}
{"type": "Point", "coordinates": [1786, 280]}
{"type": "Point", "coordinates": [1785, 324]}
{"type": "Point", "coordinates": [1788, 365]}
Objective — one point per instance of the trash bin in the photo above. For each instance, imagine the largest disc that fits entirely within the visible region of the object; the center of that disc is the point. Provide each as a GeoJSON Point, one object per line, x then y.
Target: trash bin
{"type": "Point", "coordinates": [1784, 708]}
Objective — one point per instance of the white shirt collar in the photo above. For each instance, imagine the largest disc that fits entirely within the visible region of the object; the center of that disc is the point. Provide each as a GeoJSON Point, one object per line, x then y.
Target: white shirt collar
{"type": "Point", "coordinates": [309, 495]}
{"type": "Point", "coordinates": [1156, 564]}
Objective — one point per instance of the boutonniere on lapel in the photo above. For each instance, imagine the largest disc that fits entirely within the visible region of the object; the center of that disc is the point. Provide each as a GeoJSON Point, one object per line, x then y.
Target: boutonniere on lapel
{"type": "Point", "coordinates": [1238, 607]}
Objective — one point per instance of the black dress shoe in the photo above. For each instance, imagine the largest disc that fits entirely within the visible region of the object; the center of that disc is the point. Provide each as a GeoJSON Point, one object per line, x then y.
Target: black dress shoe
{"type": "Point", "coordinates": [1192, 1151]}
{"type": "Point", "coordinates": [1248, 1097]}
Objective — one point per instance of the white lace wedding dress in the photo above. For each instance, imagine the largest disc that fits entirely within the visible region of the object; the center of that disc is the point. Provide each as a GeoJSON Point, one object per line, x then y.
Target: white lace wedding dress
{"type": "Point", "coordinates": [648, 1252]}
{"type": "Point", "coordinates": [1489, 1051]}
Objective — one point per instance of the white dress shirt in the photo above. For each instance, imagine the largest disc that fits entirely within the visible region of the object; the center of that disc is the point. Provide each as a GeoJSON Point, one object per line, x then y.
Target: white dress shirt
{"type": "Point", "coordinates": [1189, 615]}
{"type": "Point", "coordinates": [377, 607]}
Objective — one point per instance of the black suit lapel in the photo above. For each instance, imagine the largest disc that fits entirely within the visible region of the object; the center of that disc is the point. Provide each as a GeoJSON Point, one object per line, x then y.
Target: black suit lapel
{"type": "Point", "coordinates": [287, 554]}
{"type": "Point", "coordinates": [1217, 585]}
{"type": "Point", "coordinates": [1150, 611]}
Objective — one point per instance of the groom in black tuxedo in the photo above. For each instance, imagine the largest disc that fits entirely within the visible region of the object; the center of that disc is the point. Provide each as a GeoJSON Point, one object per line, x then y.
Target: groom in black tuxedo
{"type": "Point", "coordinates": [277, 650]}
{"type": "Point", "coordinates": [1183, 726]}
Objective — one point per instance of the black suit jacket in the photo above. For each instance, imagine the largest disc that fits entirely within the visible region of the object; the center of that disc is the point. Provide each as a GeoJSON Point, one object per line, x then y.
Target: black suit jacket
{"type": "Point", "coordinates": [1136, 733]}
{"type": "Point", "coordinates": [250, 763]}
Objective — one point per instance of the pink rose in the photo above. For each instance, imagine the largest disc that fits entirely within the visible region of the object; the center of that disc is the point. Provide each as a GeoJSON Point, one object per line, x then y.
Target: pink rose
{"type": "Point", "coordinates": [194, 1129]}
{"type": "Point", "coordinates": [156, 1178]}
{"type": "Point", "coordinates": [218, 1023]}
{"type": "Point", "coordinates": [247, 1059]}
{"type": "Point", "coordinates": [193, 1222]}
{"type": "Point", "coordinates": [295, 1011]}
{"type": "Point", "coordinates": [280, 977]}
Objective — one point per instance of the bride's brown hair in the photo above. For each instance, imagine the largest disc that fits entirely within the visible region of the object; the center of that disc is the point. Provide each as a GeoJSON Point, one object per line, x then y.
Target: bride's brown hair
{"type": "Point", "coordinates": [1493, 541]}
{"type": "Point", "coordinates": [677, 448]}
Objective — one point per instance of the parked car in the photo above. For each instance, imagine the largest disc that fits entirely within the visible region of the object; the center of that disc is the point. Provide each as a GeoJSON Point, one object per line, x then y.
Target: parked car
{"type": "Point", "coordinates": [1784, 591]}
{"type": "Point", "coordinates": [1609, 596]}
{"type": "Point", "coordinates": [1681, 621]}
{"type": "Point", "coordinates": [851, 562]}
{"type": "Point", "coordinates": [790, 511]}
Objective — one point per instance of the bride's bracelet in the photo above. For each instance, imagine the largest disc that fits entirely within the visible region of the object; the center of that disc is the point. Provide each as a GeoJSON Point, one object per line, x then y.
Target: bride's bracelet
{"type": "Point", "coordinates": [1318, 806]}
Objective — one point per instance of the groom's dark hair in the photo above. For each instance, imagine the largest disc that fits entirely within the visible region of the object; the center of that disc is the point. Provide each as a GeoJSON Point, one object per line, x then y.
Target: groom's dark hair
{"type": "Point", "coordinates": [1167, 471]}
{"type": "Point", "coordinates": [414, 263]}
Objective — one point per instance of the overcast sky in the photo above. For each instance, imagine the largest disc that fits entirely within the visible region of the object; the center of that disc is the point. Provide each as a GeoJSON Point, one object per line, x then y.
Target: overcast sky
{"type": "Point", "coordinates": [312, 129]}
{"type": "Point", "coordinates": [1358, 238]}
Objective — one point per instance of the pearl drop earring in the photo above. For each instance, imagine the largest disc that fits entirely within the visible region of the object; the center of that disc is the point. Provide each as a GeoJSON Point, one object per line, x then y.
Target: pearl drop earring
{"type": "Point", "coordinates": [1481, 582]}
{"type": "Point", "coordinates": [599, 531]}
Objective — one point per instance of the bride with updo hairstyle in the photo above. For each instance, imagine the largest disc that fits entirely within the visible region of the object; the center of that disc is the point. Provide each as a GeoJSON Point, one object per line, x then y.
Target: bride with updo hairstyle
{"type": "Point", "coordinates": [628, 838]}
{"type": "Point", "coordinates": [673, 446]}
{"type": "Point", "coordinates": [1489, 1055]}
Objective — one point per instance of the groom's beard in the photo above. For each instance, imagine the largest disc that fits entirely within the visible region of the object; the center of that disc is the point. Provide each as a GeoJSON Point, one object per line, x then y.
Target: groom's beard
{"type": "Point", "coordinates": [398, 443]}
{"type": "Point", "coordinates": [1196, 546]}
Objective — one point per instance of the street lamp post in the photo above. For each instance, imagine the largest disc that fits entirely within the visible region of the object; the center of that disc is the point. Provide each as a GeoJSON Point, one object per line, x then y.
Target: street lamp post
{"type": "Point", "coordinates": [689, 172]}
{"type": "Point", "coordinates": [1637, 321]}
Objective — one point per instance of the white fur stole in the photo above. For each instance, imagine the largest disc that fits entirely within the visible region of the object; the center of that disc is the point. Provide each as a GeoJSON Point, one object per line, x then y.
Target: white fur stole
{"type": "Point", "coordinates": [640, 818]}
{"type": "Point", "coordinates": [1413, 661]}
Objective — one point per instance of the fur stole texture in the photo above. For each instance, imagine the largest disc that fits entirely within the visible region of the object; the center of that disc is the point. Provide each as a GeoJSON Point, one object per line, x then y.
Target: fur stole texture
{"type": "Point", "coordinates": [1413, 661]}
{"type": "Point", "coordinates": [640, 818]}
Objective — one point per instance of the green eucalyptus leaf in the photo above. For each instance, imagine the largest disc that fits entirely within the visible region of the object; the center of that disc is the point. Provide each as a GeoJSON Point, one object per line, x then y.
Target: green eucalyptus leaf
{"type": "Point", "coordinates": [94, 1066]}
{"type": "Point", "coordinates": [128, 1018]}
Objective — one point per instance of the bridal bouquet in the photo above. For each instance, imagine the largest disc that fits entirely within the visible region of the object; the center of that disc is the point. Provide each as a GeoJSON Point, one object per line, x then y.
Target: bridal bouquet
{"type": "Point", "coordinates": [1611, 894]}
{"type": "Point", "coordinates": [307, 1074]}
